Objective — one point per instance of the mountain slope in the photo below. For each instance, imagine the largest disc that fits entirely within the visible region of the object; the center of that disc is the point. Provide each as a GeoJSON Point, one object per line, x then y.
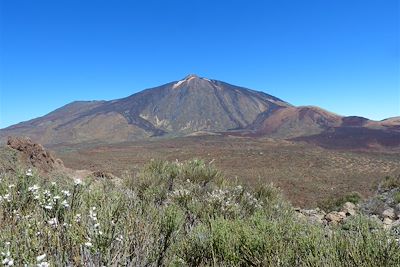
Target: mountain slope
{"type": "Point", "coordinates": [198, 106]}
{"type": "Point", "coordinates": [294, 121]}
{"type": "Point", "coordinates": [320, 127]}
{"type": "Point", "coordinates": [177, 108]}
{"type": "Point", "coordinates": [359, 133]}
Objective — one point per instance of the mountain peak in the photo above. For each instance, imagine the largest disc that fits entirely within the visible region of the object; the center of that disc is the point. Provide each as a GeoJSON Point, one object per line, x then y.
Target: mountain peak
{"type": "Point", "coordinates": [189, 79]}
{"type": "Point", "coordinates": [191, 76]}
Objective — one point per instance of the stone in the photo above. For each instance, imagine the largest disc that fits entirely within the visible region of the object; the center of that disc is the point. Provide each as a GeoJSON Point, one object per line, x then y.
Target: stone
{"type": "Point", "coordinates": [396, 223]}
{"type": "Point", "coordinates": [312, 216]}
{"type": "Point", "coordinates": [35, 154]}
{"type": "Point", "coordinates": [389, 213]}
{"type": "Point", "coordinates": [387, 221]}
{"type": "Point", "coordinates": [397, 210]}
{"type": "Point", "coordinates": [349, 209]}
{"type": "Point", "coordinates": [335, 217]}
{"type": "Point", "coordinates": [376, 219]}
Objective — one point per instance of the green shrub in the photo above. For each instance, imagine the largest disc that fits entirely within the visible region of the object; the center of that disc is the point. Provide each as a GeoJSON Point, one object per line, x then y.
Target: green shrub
{"type": "Point", "coordinates": [173, 214]}
{"type": "Point", "coordinates": [336, 203]}
{"type": "Point", "coordinates": [389, 183]}
{"type": "Point", "coordinates": [397, 197]}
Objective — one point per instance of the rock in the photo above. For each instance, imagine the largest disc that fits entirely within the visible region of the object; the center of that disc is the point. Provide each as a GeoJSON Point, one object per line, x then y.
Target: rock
{"type": "Point", "coordinates": [396, 223]}
{"type": "Point", "coordinates": [312, 216]}
{"type": "Point", "coordinates": [397, 210]}
{"type": "Point", "coordinates": [389, 213]}
{"type": "Point", "coordinates": [387, 223]}
{"type": "Point", "coordinates": [349, 209]}
{"type": "Point", "coordinates": [102, 175]}
{"type": "Point", "coordinates": [376, 219]}
{"type": "Point", "coordinates": [349, 205]}
{"type": "Point", "coordinates": [35, 154]}
{"type": "Point", "coordinates": [335, 217]}
{"type": "Point", "coordinates": [301, 216]}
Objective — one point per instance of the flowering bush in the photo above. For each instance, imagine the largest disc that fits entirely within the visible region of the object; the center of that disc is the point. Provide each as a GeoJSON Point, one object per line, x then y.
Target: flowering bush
{"type": "Point", "coordinates": [171, 213]}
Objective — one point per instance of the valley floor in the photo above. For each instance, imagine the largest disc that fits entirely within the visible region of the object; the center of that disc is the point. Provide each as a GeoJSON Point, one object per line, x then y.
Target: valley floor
{"type": "Point", "coordinates": [307, 174]}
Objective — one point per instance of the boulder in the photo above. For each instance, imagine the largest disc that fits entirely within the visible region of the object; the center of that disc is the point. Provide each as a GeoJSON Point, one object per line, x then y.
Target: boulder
{"type": "Point", "coordinates": [315, 216]}
{"type": "Point", "coordinates": [389, 213]}
{"type": "Point", "coordinates": [387, 223]}
{"type": "Point", "coordinates": [335, 217]}
{"type": "Point", "coordinates": [349, 209]}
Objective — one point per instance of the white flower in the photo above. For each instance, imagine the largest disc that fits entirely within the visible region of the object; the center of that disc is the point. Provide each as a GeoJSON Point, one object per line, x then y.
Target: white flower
{"type": "Point", "coordinates": [29, 172]}
{"type": "Point", "coordinates": [65, 204]}
{"type": "Point", "coordinates": [53, 222]}
{"type": "Point", "coordinates": [48, 207]}
{"type": "Point", "coordinates": [43, 264]}
{"type": "Point", "coordinates": [120, 238]}
{"type": "Point", "coordinates": [88, 244]}
{"type": "Point", "coordinates": [8, 262]}
{"type": "Point", "coordinates": [77, 218]}
{"type": "Point", "coordinates": [33, 188]}
{"type": "Point", "coordinates": [57, 197]}
{"type": "Point", "coordinates": [41, 257]}
{"type": "Point", "coordinates": [66, 193]}
{"type": "Point", "coordinates": [93, 214]}
{"type": "Point", "coordinates": [78, 181]}
{"type": "Point", "coordinates": [7, 197]}
{"type": "Point", "coordinates": [53, 183]}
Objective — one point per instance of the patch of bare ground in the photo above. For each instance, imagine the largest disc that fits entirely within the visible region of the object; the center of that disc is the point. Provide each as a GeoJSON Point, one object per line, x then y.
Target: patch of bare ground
{"type": "Point", "coordinates": [307, 174]}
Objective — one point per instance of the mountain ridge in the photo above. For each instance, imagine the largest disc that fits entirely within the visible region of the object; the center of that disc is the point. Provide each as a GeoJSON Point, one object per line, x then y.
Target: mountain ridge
{"type": "Point", "coordinates": [187, 106]}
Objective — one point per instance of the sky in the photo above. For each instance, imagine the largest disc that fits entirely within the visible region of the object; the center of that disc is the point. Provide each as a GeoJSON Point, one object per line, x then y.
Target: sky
{"type": "Point", "coordinates": [341, 55]}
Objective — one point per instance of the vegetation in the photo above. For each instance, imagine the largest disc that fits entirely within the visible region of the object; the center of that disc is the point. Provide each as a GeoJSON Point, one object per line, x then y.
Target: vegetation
{"type": "Point", "coordinates": [390, 182]}
{"type": "Point", "coordinates": [397, 198]}
{"type": "Point", "coordinates": [172, 214]}
{"type": "Point", "coordinates": [305, 173]}
{"type": "Point", "coordinates": [335, 203]}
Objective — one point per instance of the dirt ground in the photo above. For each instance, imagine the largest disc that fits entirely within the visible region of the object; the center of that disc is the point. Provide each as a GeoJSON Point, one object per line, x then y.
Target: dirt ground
{"type": "Point", "coordinates": [306, 174]}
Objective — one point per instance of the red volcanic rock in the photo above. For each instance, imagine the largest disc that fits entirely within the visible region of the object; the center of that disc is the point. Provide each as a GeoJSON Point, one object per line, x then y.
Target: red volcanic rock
{"type": "Point", "coordinates": [35, 154]}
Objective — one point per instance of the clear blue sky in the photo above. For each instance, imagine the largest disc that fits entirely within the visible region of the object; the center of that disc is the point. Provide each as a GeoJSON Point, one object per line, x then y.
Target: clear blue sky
{"type": "Point", "coordinates": [342, 55]}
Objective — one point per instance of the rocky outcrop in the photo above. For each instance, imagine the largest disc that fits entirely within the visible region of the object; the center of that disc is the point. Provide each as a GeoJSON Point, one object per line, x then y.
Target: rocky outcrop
{"type": "Point", "coordinates": [35, 154]}
{"type": "Point", "coordinates": [385, 205]}
{"type": "Point", "coordinates": [332, 218]}
{"type": "Point", "coordinates": [383, 208]}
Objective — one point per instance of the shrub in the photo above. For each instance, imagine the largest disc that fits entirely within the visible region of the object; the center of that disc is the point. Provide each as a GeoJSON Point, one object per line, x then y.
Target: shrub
{"type": "Point", "coordinates": [390, 182]}
{"type": "Point", "coordinates": [335, 204]}
{"type": "Point", "coordinates": [396, 197]}
{"type": "Point", "coordinates": [173, 214]}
